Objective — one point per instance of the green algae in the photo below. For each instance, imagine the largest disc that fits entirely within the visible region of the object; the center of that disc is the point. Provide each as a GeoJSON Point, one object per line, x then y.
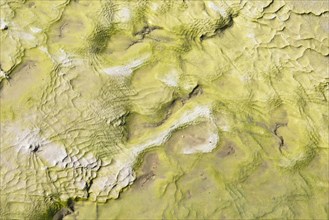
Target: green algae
{"type": "Point", "coordinates": [122, 97]}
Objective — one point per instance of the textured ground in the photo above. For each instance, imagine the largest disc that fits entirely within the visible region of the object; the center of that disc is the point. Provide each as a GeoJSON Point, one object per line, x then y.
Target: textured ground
{"type": "Point", "coordinates": [164, 109]}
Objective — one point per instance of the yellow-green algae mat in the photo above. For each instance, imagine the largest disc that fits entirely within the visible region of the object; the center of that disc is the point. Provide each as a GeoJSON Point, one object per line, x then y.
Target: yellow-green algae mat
{"type": "Point", "coordinates": [164, 109]}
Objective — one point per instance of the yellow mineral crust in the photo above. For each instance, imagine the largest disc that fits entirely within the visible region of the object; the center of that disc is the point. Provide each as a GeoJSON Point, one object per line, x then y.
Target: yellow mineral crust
{"type": "Point", "coordinates": [176, 109]}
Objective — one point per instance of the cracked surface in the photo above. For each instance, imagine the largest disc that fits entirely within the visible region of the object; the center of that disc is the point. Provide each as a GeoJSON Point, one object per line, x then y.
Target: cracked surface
{"type": "Point", "coordinates": [164, 109]}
